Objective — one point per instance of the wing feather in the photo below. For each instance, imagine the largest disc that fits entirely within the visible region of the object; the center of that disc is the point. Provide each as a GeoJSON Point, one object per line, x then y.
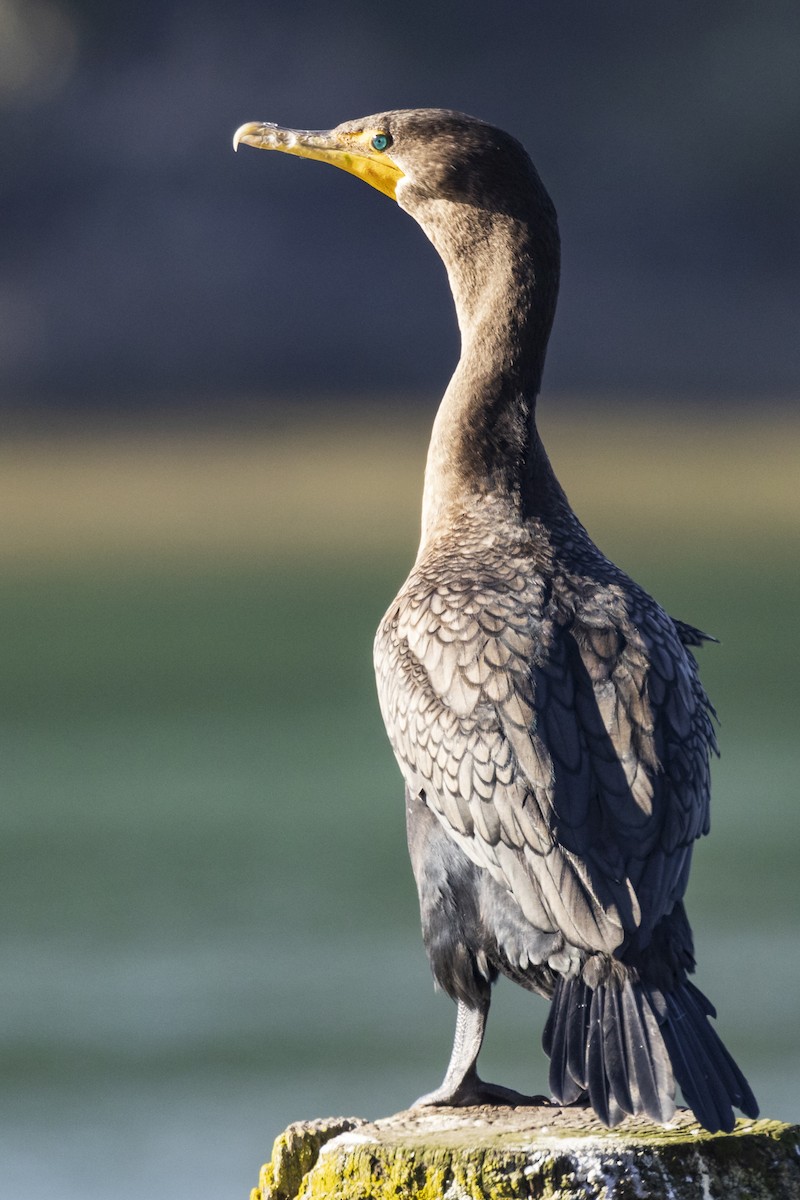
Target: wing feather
{"type": "Point", "coordinates": [561, 739]}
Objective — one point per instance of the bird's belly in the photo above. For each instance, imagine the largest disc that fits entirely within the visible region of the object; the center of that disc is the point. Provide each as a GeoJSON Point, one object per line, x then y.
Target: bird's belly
{"type": "Point", "coordinates": [473, 928]}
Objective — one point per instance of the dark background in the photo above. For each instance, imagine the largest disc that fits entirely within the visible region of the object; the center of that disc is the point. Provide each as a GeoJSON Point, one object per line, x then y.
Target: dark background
{"type": "Point", "coordinates": [141, 263]}
{"type": "Point", "coordinates": [217, 377]}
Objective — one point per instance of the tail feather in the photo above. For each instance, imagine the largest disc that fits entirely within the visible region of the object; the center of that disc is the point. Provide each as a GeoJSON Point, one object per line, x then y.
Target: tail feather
{"type": "Point", "coordinates": [709, 1078]}
{"type": "Point", "coordinates": [568, 1018]}
{"type": "Point", "coordinates": [605, 1061]}
{"type": "Point", "coordinates": [626, 1045]}
{"type": "Point", "coordinates": [597, 1080]}
{"type": "Point", "coordinates": [617, 1064]}
{"type": "Point", "coordinates": [703, 1091]}
{"type": "Point", "coordinates": [578, 1020]}
{"type": "Point", "coordinates": [737, 1085]}
{"type": "Point", "coordinates": [652, 1082]}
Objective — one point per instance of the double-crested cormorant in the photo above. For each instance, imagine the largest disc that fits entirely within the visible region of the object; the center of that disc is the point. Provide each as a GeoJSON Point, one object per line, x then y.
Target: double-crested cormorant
{"type": "Point", "coordinates": [546, 713]}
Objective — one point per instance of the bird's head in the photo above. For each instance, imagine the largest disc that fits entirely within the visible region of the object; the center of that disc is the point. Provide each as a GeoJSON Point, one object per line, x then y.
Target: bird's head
{"type": "Point", "coordinates": [418, 155]}
{"type": "Point", "coordinates": [473, 190]}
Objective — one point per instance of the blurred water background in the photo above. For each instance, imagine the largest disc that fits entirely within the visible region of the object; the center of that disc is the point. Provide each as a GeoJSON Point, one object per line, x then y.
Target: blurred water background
{"type": "Point", "coordinates": [216, 382]}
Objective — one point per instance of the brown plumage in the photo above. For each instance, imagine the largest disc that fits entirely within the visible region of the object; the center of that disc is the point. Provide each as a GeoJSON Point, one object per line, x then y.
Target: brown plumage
{"type": "Point", "coordinates": [545, 712]}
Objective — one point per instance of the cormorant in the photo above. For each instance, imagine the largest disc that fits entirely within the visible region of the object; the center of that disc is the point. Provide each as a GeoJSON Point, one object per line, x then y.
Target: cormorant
{"type": "Point", "coordinates": [546, 713]}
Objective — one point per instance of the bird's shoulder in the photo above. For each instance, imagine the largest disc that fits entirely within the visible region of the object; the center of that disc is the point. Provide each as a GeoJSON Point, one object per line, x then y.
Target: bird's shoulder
{"type": "Point", "coordinates": [498, 595]}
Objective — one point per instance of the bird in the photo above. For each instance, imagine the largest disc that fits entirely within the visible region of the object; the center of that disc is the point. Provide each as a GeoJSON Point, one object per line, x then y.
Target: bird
{"type": "Point", "coordinates": [546, 713]}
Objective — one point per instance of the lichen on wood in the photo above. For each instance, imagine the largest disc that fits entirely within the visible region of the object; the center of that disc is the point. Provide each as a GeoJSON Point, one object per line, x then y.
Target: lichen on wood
{"type": "Point", "coordinates": [548, 1153]}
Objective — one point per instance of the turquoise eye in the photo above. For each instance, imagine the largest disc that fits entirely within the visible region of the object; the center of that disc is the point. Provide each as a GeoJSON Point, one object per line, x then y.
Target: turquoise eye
{"type": "Point", "coordinates": [380, 141]}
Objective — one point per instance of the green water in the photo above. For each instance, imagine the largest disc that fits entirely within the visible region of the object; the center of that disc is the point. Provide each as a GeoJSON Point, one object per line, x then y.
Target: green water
{"type": "Point", "coordinates": [210, 925]}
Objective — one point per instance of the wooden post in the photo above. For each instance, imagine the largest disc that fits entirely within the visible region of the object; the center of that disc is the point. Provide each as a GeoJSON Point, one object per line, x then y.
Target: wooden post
{"type": "Point", "coordinates": [553, 1153]}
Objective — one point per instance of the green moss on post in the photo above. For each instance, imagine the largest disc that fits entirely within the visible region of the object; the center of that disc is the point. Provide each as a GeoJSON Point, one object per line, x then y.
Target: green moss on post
{"type": "Point", "coordinates": [295, 1153]}
{"type": "Point", "coordinates": [547, 1153]}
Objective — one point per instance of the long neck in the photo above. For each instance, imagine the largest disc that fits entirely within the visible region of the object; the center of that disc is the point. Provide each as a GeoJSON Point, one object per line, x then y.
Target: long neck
{"type": "Point", "coordinates": [503, 272]}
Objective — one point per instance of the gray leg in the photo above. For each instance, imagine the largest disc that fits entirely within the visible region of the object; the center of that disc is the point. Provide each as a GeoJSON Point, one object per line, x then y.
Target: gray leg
{"type": "Point", "coordinates": [461, 1086]}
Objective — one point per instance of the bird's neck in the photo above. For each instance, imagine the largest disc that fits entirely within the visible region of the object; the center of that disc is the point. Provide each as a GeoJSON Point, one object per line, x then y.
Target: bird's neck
{"type": "Point", "coordinates": [503, 273]}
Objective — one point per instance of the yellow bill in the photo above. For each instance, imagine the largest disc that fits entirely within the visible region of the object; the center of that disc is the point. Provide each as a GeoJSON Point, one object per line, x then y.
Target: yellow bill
{"type": "Point", "coordinates": [362, 152]}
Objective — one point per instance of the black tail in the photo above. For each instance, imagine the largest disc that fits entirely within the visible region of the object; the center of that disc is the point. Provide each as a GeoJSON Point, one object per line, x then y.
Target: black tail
{"type": "Point", "coordinates": [625, 1045]}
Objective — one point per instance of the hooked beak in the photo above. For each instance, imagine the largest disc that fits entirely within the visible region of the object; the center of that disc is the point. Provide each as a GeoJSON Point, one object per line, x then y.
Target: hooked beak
{"type": "Point", "coordinates": [350, 150]}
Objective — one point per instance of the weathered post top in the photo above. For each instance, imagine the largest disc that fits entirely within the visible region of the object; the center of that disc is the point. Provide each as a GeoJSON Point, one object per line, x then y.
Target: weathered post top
{"type": "Point", "coordinates": [487, 1153]}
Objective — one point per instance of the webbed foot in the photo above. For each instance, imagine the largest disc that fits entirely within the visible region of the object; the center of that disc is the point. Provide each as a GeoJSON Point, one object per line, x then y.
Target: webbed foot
{"type": "Point", "coordinates": [472, 1091]}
